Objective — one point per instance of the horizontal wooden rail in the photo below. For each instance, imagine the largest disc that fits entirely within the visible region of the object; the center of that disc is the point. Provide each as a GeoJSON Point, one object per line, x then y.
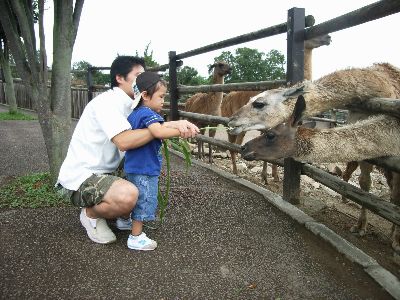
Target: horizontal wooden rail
{"type": "Point", "coordinates": [152, 69]}
{"type": "Point", "coordinates": [365, 14]}
{"type": "Point", "coordinates": [230, 146]}
{"type": "Point", "coordinates": [377, 105]}
{"type": "Point", "coordinates": [325, 120]}
{"type": "Point", "coordinates": [227, 87]}
{"type": "Point", "coordinates": [201, 117]}
{"type": "Point", "coordinates": [385, 209]}
{"type": "Point", "coordinates": [391, 163]}
{"type": "Point", "coordinates": [252, 36]}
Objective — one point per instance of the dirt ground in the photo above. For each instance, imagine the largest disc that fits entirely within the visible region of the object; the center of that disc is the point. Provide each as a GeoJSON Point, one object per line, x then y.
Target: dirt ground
{"type": "Point", "coordinates": [325, 205]}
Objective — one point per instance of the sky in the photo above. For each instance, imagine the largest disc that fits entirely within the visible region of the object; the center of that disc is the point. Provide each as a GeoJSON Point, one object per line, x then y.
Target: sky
{"type": "Point", "coordinates": [122, 27]}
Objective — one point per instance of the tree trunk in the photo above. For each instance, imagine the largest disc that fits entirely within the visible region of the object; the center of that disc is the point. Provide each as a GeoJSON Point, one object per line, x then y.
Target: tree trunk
{"type": "Point", "coordinates": [54, 111]}
{"type": "Point", "coordinates": [9, 84]}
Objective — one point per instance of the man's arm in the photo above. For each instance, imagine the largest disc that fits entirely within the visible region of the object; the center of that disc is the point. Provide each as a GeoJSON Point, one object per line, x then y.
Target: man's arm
{"type": "Point", "coordinates": [131, 139]}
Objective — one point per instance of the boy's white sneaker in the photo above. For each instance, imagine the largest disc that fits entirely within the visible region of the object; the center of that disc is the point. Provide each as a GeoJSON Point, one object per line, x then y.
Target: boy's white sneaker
{"type": "Point", "coordinates": [101, 234]}
{"type": "Point", "coordinates": [124, 224]}
{"type": "Point", "coordinates": [141, 242]}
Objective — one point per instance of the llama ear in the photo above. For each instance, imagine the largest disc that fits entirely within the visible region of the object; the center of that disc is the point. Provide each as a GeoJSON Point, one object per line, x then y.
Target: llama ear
{"type": "Point", "coordinates": [211, 67]}
{"type": "Point", "coordinates": [298, 110]}
{"type": "Point", "coordinates": [293, 92]}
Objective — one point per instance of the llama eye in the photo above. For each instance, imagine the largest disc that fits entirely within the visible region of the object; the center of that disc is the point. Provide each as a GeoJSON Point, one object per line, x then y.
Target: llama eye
{"type": "Point", "coordinates": [270, 136]}
{"type": "Point", "coordinates": [258, 105]}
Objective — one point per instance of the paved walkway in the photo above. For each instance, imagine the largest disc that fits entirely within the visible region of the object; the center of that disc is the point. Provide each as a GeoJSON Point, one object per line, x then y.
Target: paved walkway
{"type": "Point", "coordinates": [220, 240]}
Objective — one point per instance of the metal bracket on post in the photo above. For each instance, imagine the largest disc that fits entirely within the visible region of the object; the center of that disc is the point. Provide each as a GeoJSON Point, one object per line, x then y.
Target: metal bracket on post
{"type": "Point", "coordinates": [173, 86]}
{"type": "Point", "coordinates": [295, 73]}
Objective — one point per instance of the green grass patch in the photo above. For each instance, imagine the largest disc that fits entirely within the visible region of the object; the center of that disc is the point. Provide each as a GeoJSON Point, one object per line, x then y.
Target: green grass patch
{"type": "Point", "coordinates": [30, 191]}
{"type": "Point", "coordinates": [17, 116]}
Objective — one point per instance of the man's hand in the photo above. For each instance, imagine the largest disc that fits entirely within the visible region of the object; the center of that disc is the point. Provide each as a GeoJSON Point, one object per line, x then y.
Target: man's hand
{"type": "Point", "coordinates": [186, 128]}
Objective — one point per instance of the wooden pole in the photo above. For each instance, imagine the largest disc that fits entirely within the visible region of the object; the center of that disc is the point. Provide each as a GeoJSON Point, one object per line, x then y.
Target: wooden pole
{"type": "Point", "coordinates": [173, 86]}
{"type": "Point", "coordinates": [295, 73]}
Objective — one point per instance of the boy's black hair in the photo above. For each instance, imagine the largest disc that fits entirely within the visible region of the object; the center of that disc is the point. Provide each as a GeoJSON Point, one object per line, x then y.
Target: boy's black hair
{"type": "Point", "coordinates": [149, 82]}
{"type": "Point", "coordinates": [122, 65]}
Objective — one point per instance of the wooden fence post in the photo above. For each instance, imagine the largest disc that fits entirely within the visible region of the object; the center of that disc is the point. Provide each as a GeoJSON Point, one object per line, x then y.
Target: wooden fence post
{"type": "Point", "coordinates": [89, 83]}
{"type": "Point", "coordinates": [295, 73]}
{"type": "Point", "coordinates": [173, 86]}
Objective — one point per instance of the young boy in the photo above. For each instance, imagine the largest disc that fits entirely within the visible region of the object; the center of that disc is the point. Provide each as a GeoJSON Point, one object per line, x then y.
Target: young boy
{"type": "Point", "coordinates": [143, 165]}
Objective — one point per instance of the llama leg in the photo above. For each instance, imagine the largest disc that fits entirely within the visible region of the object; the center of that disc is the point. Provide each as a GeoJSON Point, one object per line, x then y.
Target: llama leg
{"type": "Point", "coordinates": [237, 139]}
{"type": "Point", "coordinates": [365, 184]}
{"type": "Point", "coordinates": [199, 149]}
{"type": "Point", "coordinates": [275, 173]}
{"type": "Point", "coordinates": [200, 146]}
{"type": "Point", "coordinates": [350, 168]}
{"type": "Point", "coordinates": [211, 133]}
{"type": "Point", "coordinates": [233, 158]}
{"type": "Point", "coordinates": [264, 175]}
{"type": "Point", "coordinates": [210, 155]}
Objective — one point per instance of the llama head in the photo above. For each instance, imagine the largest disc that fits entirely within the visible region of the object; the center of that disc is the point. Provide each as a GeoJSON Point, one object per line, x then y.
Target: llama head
{"type": "Point", "coordinates": [322, 40]}
{"type": "Point", "coordinates": [221, 68]}
{"type": "Point", "coordinates": [278, 142]}
{"type": "Point", "coordinates": [268, 109]}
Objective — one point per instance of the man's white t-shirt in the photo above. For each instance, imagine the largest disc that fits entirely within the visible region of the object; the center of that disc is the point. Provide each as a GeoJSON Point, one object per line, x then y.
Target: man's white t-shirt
{"type": "Point", "coordinates": [91, 150]}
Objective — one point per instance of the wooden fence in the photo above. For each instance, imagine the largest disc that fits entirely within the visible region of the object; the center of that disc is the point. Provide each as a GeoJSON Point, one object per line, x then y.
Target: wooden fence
{"type": "Point", "coordinates": [298, 28]}
{"type": "Point", "coordinates": [79, 97]}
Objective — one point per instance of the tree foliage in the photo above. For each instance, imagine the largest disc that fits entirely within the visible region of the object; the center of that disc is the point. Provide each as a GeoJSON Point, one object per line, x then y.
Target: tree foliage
{"type": "Point", "coordinates": [80, 70]}
{"type": "Point", "coordinates": [148, 57]}
{"type": "Point", "coordinates": [189, 76]}
{"type": "Point", "coordinates": [249, 65]}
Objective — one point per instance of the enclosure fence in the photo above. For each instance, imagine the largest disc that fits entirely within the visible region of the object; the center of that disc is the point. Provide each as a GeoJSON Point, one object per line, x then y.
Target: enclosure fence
{"type": "Point", "coordinates": [298, 29]}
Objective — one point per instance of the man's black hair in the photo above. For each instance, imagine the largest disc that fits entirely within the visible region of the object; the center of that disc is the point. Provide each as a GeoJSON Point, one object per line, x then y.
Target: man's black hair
{"type": "Point", "coordinates": [122, 66]}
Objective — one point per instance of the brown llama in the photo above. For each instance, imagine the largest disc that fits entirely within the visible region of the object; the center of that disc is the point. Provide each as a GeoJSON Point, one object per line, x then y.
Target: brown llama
{"type": "Point", "coordinates": [208, 103]}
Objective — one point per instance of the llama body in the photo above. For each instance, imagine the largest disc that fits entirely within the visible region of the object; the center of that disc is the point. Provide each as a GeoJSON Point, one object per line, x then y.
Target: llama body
{"type": "Point", "coordinates": [208, 103]}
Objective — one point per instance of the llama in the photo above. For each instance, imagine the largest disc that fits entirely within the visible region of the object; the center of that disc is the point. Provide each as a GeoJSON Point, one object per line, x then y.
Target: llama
{"type": "Point", "coordinates": [235, 100]}
{"type": "Point", "coordinates": [309, 45]}
{"type": "Point", "coordinates": [209, 103]}
{"type": "Point", "coordinates": [379, 135]}
{"type": "Point", "coordinates": [376, 136]}
{"type": "Point", "coordinates": [334, 90]}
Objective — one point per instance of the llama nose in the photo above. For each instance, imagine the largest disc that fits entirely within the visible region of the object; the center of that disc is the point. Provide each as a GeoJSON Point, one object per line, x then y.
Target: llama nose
{"type": "Point", "coordinates": [243, 148]}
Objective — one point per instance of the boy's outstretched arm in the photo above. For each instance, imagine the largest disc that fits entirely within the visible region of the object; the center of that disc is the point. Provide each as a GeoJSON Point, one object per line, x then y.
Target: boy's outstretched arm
{"type": "Point", "coordinates": [186, 128]}
{"type": "Point", "coordinates": [163, 132]}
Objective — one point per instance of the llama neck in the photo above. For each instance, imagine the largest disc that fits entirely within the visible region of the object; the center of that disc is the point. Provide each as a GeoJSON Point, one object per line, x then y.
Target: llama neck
{"type": "Point", "coordinates": [217, 79]}
{"type": "Point", "coordinates": [308, 64]}
{"type": "Point", "coordinates": [216, 97]}
{"type": "Point", "coordinates": [341, 88]}
{"type": "Point", "coordinates": [374, 137]}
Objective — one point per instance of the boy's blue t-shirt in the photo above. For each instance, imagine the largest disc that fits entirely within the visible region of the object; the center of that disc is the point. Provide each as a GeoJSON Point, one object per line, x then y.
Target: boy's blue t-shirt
{"type": "Point", "coordinates": [145, 160]}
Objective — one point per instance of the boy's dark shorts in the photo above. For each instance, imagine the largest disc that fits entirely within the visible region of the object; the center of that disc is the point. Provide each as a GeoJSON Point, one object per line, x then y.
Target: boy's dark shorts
{"type": "Point", "coordinates": [91, 191]}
